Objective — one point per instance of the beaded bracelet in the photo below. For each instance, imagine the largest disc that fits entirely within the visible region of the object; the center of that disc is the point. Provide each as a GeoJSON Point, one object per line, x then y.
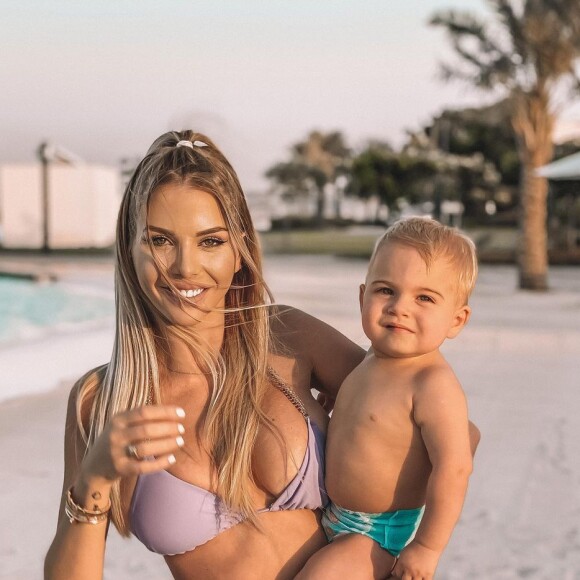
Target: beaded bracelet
{"type": "Point", "coordinates": [76, 513]}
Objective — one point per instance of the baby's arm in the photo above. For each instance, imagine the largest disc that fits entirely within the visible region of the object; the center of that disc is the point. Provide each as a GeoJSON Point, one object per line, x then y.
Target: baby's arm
{"type": "Point", "coordinates": [440, 411]}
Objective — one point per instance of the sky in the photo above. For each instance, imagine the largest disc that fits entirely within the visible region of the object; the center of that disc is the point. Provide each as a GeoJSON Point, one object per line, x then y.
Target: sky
{"type": "Point", "coordinates": [103, 79]}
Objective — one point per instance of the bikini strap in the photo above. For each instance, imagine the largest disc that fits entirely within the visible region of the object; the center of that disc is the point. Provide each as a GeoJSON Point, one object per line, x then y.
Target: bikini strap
{"type": "Point", "coordinates": [277, 381]}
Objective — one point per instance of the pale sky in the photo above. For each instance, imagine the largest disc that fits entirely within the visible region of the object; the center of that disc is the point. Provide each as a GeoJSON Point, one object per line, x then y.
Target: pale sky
{"type": "Point", "coordinates": [104, 78]}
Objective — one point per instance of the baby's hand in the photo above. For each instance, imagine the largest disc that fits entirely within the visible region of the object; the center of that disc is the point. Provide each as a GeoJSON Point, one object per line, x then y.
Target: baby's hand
{"type": "Point", "coordinates": [416, 562]}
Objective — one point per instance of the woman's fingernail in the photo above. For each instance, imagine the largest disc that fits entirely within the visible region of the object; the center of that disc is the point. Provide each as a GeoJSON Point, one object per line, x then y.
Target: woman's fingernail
{"type": "Point", "coordinates": [180, 412]}
{"type": "Point", "coordinates": [171, 459]}
{"type": "Point", "coordinates": [181, 428]}
{"type": "Point", "coordinates": [180, 441]}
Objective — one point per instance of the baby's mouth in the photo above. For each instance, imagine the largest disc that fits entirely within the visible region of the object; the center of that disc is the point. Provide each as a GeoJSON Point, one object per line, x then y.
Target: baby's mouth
{"type": "Point", "coordinates": [398, 327]}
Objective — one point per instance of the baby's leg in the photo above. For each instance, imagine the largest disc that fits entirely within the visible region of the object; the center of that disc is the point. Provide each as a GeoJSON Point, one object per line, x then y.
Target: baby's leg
{"type": "Point", "coordinates": [351, 556]}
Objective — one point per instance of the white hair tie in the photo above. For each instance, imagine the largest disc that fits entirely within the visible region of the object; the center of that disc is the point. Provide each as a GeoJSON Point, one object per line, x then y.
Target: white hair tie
{"type": "Point", "coordinates": [185, 144]}
{"type": "Point", "coordinates": [189, 144]}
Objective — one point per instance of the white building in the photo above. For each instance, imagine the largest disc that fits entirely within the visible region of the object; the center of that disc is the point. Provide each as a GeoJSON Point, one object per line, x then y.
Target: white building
{"type": "Point", "coordinates": [82, 210]}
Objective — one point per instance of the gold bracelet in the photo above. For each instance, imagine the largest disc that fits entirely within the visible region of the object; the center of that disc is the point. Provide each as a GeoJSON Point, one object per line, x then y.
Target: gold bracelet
{"type": "Point", "coordinates": [76, 513]}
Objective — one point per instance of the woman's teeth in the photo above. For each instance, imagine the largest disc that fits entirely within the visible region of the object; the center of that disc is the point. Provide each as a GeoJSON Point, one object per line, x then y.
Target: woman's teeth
{"type": "Point", "coordinates": [191, 293]}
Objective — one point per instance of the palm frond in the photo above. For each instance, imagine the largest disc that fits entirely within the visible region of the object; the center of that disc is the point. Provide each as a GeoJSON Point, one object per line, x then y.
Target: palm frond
{"type": "Point", "coordinates": [513, 24]}
{"type": "Point", "coordinates": [568, 14]}
{"type": "Point", "coordinates": [488, 62]}
{"type": "Point", "coordinates": [459, 24]}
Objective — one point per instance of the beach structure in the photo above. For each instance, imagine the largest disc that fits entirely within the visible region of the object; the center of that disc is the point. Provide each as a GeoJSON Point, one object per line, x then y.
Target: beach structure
{"type": "Point", "coordinates": [567, 168]}
{"type": "Point", "coordinates": [81, 206]}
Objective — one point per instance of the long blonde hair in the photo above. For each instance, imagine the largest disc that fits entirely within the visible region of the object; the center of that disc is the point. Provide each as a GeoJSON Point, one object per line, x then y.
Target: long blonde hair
{"type": "Point", "coordinates": [238, 372]}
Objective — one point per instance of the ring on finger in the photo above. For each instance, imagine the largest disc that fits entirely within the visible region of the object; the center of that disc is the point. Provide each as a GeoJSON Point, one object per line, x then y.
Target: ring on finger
{"type": "Point", "coordinates": [131, 452]}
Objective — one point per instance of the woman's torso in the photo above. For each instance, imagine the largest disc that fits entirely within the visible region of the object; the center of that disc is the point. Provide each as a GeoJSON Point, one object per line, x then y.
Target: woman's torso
{"type": "Point", "coordinates": [287, 538]}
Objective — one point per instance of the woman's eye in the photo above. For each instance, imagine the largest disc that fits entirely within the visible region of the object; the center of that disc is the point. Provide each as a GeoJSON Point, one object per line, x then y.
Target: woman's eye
{"type": "Point", "coordinates": [212, 242]}
{"type": "Point", "coordinates": [159, 240]}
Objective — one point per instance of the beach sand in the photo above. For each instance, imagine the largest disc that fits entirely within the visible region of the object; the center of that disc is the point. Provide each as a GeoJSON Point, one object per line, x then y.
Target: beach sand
{"type": "Point", "coordinates": [518, 361]}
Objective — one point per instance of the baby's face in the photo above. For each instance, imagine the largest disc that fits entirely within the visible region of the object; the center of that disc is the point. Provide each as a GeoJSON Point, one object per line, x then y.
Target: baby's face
{"type": "Point", "coordinates": [407, 309]}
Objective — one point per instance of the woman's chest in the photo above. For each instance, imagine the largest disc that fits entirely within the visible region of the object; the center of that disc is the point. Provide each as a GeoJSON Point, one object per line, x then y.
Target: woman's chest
{"type": "Point", "coordinates": [279, 450]}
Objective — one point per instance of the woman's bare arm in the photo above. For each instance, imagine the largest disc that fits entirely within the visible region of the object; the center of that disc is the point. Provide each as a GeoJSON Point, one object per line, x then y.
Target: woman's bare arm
{"type": "Point", "coordinates": [78, 549]}
{"type": "Point", "coordinates": [330, 355]}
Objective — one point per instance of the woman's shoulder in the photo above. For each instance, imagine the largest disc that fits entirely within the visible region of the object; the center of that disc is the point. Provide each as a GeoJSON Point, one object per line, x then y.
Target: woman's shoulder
{"type": "Point", "coordinates": [292, 327]}
{"type": "Point", "coordinates": [83, 392]}
{"type": "Point", "coordinates": [286, 318]}
{"type": "Point", "coordinates": [330, 355]}
{"type": "Point", "coordinates": [91, 380]}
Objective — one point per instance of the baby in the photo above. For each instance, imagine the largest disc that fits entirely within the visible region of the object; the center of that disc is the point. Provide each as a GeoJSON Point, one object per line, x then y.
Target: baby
{"type": "Point", "coordinates": [398, 452]}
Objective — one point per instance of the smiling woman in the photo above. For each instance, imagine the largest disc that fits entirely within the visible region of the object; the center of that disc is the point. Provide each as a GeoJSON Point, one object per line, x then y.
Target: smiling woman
{"type": "Point", "coordinates": [201, 436]}
{"type": "Point", "coordinates": [185, 261]}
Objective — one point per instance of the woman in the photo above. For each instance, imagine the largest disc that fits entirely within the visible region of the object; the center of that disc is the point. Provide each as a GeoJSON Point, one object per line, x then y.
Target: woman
{"type": "Point", "coordinates": [201, 436]}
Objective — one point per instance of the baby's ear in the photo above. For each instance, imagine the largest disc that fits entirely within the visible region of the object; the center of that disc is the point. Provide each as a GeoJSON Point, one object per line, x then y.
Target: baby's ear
{"type": "Point", "coordinates": [361, 293]}
{"type": "Point", "coordinates": [460, 319]}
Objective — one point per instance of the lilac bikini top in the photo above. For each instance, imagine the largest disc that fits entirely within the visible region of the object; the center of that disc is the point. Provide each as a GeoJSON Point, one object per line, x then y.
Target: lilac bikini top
{"type": "Point", "coordinates": [171, 516]}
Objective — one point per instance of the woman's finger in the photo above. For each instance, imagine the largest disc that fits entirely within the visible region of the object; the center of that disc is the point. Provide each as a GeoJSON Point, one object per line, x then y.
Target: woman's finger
{"type": "Point", "coordinates": [151, 413]}
{"type": "Point", "coordinates": [154, 448]}
{"type": "Point", "coordinates": [153, 430]}
{"type": "Point", "coordinates": [151, 465]}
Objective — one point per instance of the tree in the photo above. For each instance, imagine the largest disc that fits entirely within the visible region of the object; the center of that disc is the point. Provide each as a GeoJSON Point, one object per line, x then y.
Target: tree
{"type": "Point", "coordinates": [389, 177]}
{"type": "Point", "coordinates": [527, 53]}
{"type": "Point", "coordinates": [297, 179]}
{"type": "Point", "coordinates": [315, 162]}
{"type": "Point", "coordinates": [485, 130]}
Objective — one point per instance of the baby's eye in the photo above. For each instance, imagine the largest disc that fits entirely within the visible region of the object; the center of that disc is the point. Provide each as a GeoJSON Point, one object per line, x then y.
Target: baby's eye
{"type": "Point", "coordinates": [425, 298]}
{"type": "Point", "coordinates": [386, 290]}
{"type": "Point", "coordinates": [212, 242]}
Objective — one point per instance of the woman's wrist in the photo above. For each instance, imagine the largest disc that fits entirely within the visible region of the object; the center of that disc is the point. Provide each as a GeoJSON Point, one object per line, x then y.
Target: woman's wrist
{"type": "Point", "coordinates": [76, 513]}
{"type": "Point", "coordinates": [92, 492]}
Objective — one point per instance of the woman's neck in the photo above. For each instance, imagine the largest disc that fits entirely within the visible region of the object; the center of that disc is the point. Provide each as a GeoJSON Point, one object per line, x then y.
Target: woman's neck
{"type": "Point", "coordinates": [177, 356]}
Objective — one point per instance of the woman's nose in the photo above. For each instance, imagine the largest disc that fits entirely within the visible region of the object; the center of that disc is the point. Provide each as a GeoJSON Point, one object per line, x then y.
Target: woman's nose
{"type": "Point", "coordinates": [186, 263]}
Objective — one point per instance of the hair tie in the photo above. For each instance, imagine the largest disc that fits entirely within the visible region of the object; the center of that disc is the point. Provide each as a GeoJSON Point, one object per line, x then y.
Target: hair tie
{"type": "Point", "coordinates": [191, 145]}
{"type": "Point", "coordinates": [185, 144]}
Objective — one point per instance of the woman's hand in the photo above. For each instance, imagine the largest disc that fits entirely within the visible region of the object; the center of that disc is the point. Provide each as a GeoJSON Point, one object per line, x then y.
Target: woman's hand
{"type": "Point", "coordinates": [138, 441]}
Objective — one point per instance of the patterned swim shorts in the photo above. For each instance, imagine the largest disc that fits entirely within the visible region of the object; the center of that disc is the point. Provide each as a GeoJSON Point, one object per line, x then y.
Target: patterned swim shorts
{"type": "Point", "coordinates": [391, 530]}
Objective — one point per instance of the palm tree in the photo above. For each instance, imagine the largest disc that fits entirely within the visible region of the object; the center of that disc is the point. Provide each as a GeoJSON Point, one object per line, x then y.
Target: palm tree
{"type": "Point", "coordinates": [327, 156]}
{"type": "Point", "coordinates": [528, 53]}
{"type": "Point", "coordinates": [315, 162]}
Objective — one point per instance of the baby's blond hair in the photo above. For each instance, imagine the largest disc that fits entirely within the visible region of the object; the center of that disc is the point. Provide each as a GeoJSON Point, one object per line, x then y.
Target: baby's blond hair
{"type": "Point", "coordinates": [434, 240]}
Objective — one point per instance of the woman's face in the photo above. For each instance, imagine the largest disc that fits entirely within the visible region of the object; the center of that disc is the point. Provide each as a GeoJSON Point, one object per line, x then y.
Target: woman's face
{"type": "Point", "coordinates": [185, 240]}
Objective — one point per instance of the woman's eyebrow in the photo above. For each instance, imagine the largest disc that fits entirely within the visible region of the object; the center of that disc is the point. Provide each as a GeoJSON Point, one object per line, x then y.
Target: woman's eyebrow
{"type": "Point", "coordinates": [198, 234]}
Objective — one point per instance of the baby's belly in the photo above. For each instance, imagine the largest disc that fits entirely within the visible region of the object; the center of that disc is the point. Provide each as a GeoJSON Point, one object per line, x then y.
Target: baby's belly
{"type": "Point", "coordinates": [374, 478]}
{"type": "Point", "coordinates": [279, 551]}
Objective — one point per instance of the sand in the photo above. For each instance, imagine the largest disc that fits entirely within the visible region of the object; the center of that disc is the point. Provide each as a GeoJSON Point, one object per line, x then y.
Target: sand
{"type": "Point", "coordinates": [518, 360]}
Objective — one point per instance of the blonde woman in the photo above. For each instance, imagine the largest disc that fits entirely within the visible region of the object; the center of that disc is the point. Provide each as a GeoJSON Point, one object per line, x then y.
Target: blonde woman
{"type": "Point", "coordinates": [201, 435]}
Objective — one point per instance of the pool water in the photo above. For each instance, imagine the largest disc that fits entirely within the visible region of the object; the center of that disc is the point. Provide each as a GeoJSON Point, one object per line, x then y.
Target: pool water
{"type": "Point", "coordinates": [31, 310]}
